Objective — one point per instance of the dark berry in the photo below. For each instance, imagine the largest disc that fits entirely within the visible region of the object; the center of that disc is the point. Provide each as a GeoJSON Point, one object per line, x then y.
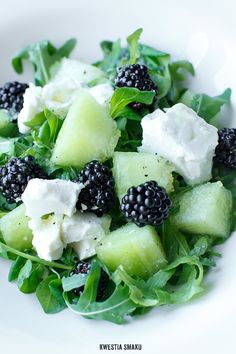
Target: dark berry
{"type": "Point", "coordinates": [225, 152]}
{"type": "Point", "coordinates": [15, 175]}
{"type": "Point", "coordinates": [84, 268]}
{"type": "Point", "coordinates": [81, 268]}
{"type": "Point", "coordinates": [11, 96]}
{"type": "Point", "coordinates": [136, 76]}
{"type": "Point", "coordinates": [146, 204]}
{"type": "Point", "coordinates": [99, 193]}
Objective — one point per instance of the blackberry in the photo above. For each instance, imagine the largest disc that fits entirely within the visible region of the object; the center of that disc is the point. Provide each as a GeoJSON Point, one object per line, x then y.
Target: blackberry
{"type": "Point", "coordinates": [146, 204]}
{"type": "Point", "coordinates": [136, 76]}
{"type": "Point", "coordinates": [84, 268]}
{"type": "Point", "coordinates": [15, 175]}
{"type": "Point", "coordinates": [80, 268]}
{"type": "Point", "coordinates": [11, 96]}
{"type": "Point", "coordinates": [225, 152]}
{"type": "Point", "coordinates": [99, 192]}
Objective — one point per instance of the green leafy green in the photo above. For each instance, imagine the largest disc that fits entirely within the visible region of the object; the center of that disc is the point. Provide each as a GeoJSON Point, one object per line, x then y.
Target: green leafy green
{"type": "Point", "coordinates": [30, 276]}
{"type": "Point", "coordinates": [42, 55]}
{"type": "Point", "coordinates": [133, 45]}
{"type": "Point", "coordinates": [49, 294]}
{"type": "Point", "coordinates": [157, 62]}
{"type": "Point", "coordinates": [125, 95]}
{"type": "Point", "coordinates": [45, 128]}
{"type": "Point", "coordinates": [34, 258]}
{"type": "Point", "coordinates": [15, 268]}
{"type": "Point", "coordinates": [179, 68]}
{"type": "Point", "coordinates": [156, 291]}
{"type": "Point", "coordinates": [158, 66]}
{"type": "Point", "coordinates": [74, 281]}
{"type": "Point", "coordinates": [206, 106]}
{"type": "Point", "coordinates": [112, 56]}
{"type": "Point", "coordinates": [179, 71]}
{"type": "Point", "coordinates": [113, 309]}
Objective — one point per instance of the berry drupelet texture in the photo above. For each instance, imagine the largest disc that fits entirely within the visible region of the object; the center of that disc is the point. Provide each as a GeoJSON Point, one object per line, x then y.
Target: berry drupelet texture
{"type": "Point", "coordinates": [84, 268]}
{"type": "Point", "coordinates": [11, 96]}
{"type": "Point", "coordinates": [99, 192]}
{"type": "Point", "coordinates": [146, 204]}
{"type": "Point", "coordinates": [80, 268]}
{"type": "Point", "coordinates": [225, 152]}
{"type": "Point", "coordinates": [15, 175]}
{"type": "Point", "coordinates": [135, 76]}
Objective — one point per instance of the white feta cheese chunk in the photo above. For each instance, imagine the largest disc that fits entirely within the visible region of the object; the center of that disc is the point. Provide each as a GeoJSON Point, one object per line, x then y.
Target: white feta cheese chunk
{"type": "Point", "coordinates": [69, 76]}
{"type": "Point", "coordinates": [80, 73]}
{"type": "Point", "coordinates": [47, 237]}
{"type": "Point", "coordinates": [83, 231]}
{"type": "Point", "coordinates": [85, 248]}
{"type": "Point", "coordinates": [57, 196]}
{"type": "Point", "coordinates": [182, 137]}
{"type": "Point", "coordinates": [59, 95]}
{"type": "Point", "coordinates": [102, 93]}
{"type": "Point", "coordinates": [33, 104]}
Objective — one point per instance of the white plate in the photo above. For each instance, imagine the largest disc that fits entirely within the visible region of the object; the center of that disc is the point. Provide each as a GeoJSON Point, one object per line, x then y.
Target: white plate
{"type": "Point", "coordinates": [201, 31]}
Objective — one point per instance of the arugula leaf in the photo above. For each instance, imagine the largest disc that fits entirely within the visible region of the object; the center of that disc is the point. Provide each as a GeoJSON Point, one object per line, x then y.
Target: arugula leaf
{"type": "Point", "coordinates": [179, 68]}
{"type": "Point", "coordinates": [138, 291]}
{"type": "Point", "coordinates": [158, 67]}
{"type": "Point", "coordinates": [3, 251]}
{"type": "Point", "coordinates": [106, 46]}
{"type": "Point", "coordinates": [56, 289]}
{"type": "Point", "coordinates": [15, 268]}
{"type": "Point", "coordinates": [174, 243]}
{"type": "Point", "coordinates": [33, 258]}
{"type": "Point", "coordinates": [123, 96]}
{"type": "Point", "coordinates": [74, 281]}
{"type": "Point", "coordinates": [206, 106]}
{"type": "Point", "coordinates": [49, 130]}
{"type": "Point", "coordinates": [133, 47]}
{"type": "Point", "coordinates": [113, 309]}
{"type": "Point", "coordinates": [157, 291]}
{"type": "Point", "coordinates": [51, 301]}
{"type": "Point", "coordinates": [112, 56]}
{"type": "Point", "coordinates": [42, 55]}
{"type": "Point", "coordinates": [44, 131]}
{"type": "Point", "coordinates": [200, 247]}
{"type": "Point", "coordinates": [37, 121]}
{"type": "Point", "coordinates": [30, 276]}
{"type": "Point", "coordinates": [156, 61]}
{"type": "Point", "coordinates": [129, 113]}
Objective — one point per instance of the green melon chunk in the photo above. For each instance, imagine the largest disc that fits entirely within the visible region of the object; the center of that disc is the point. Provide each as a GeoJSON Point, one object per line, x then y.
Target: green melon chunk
{"type": "Point", "coordinates": [6, 145]}
{"type": "Point", "coordinates": [133, 168]}
{"type": "Point", "coordinates": [88, 133]}
{"type": "Point", "coordinates": [14, 229]}
{"type": "Point", "coordinates": [206, 209]}
{"type": "Point", "coordinates": [138, 250]}
{"type": "Point", "coordinates": [7, 128]}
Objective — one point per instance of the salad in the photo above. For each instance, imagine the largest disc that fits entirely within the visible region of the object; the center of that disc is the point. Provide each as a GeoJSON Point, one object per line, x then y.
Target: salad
{"type": "Point", "coordinates": [116, 180]}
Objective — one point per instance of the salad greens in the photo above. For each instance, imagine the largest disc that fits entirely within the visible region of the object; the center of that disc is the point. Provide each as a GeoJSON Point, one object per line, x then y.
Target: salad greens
{"type": "Point", "coordinates": [189, 258]}
{"type": "Point", "coordinates": [42, 55]}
